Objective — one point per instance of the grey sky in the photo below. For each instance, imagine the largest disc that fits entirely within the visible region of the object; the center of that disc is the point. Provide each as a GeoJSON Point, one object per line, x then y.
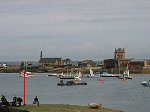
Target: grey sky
{"type": "Point", "coordinates": [76, 29]}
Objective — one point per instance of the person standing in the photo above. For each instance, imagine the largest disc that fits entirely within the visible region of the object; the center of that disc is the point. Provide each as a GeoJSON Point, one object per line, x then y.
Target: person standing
{"type": "Point", "coordinates": [14, 102]}
{"type": "Point", "coordinates": [4, 101]}
{"type": "Point", "coordinates": [36, 101]}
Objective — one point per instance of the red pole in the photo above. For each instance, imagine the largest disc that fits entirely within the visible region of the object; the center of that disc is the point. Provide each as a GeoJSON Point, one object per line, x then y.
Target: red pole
{"type": "Point", "coordinates": [24, 77]}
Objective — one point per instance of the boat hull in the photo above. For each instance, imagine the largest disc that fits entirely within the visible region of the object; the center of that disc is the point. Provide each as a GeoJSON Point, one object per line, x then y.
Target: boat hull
{"type": "Point", "coordinates": [94, 105]}
{"type": "Point", "coordinates": [109, 76]}
{"type": "Point", "coordinates": [71, 83]}
{"type": "Point", "coordinates": [125, 78]}
{"type": "Point", "coordinates": [145, 84]}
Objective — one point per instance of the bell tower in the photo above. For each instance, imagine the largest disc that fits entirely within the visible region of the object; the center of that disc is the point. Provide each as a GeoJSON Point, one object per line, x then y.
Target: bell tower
{"type": "Point", "coordinates": [119, 54]}
{"type": "Point", "coordinates": [41, 55]}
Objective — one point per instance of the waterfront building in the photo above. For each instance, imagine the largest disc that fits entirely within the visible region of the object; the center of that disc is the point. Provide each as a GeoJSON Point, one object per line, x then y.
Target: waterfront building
{"type": "Point", "coordinates": [86, 63]}
{"type": "Point", "coordinates": [55, 62]}
{"type": "Point", "coordinates": [119, 54]}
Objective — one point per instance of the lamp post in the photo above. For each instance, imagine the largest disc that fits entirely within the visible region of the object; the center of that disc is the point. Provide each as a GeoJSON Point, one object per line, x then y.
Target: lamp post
{"type": "Point", "coordinates": [24, 82]}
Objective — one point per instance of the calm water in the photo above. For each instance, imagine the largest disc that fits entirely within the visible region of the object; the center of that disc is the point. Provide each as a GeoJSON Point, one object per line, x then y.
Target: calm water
{"type": "Point", "coordinates": [128, 96]}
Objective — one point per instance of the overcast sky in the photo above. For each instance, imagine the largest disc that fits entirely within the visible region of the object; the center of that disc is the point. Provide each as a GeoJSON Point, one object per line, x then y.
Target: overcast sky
{"type": "Point", "coordinates": [75, 29]}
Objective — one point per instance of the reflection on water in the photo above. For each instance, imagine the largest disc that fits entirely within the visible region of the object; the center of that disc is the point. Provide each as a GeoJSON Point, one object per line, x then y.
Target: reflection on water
{"type": "Point", "coordinates": [128, 96]}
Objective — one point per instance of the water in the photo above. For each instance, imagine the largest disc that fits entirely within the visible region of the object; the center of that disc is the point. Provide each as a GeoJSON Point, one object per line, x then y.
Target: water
{"type": "Point", "coordinates": [114, 93]}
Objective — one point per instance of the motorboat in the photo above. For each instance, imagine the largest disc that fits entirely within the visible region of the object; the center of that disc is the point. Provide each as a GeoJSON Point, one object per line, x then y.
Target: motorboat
{"type": "Point", "coordinates": [145, 83]}
{"type": "Point", "coordinates": [71, 83]}
{"type": "Point", "coordinates": [95, 105]}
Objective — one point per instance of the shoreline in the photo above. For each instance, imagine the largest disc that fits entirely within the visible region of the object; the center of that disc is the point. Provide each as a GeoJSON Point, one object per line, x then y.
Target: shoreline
{"type": "Point", "coordinates": [60, 108]}
{"type": "Point", "coordinates": [84, 70]}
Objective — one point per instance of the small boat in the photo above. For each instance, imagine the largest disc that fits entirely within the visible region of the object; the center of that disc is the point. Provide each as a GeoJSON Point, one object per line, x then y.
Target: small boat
{"type": "Point", "coordinates": [126, 75]}
{"type": "Point", "coordinates": [106, 74]}
{"type": "Point", "coordinates": [92, 75]}
{"type": "Point", "coordinates": [78, 77]}
{"type": "Point", "coordinates": [68, 83]}
{"type": "Point", "coordinates": [71, 83]}
{"type": "Point", "coordinates": [95, 105]}
{"type": "Point", "coordinates": [145, 83]}
{"type": "Point", "coordinates": [67, 77]}
{"type": "Point", "coordinates": [28, 74]}
{"type": "Point", "coordinates": [53, 74]}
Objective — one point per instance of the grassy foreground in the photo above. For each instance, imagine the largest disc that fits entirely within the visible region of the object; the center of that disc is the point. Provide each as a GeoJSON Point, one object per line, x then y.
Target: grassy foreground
{"type": "Point", "coordinates": [60, 108]}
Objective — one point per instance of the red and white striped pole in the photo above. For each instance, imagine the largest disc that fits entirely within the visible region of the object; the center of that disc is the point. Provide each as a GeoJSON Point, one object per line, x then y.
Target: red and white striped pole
{"type": "Point", "coordinates": [24, 80]}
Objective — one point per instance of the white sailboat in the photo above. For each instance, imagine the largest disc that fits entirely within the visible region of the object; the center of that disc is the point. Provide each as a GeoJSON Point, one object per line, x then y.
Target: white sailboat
{"type": "Point", "coordinates": [126, 74]}
{"type": "Point", "coordinates": [79, 76]}
{"type": "Point", "coordinates": [92, 75]}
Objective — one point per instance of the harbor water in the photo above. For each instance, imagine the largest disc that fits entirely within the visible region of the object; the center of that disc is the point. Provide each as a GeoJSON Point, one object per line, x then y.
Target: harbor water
{"type": "Point", "coordinates": [128, 96]}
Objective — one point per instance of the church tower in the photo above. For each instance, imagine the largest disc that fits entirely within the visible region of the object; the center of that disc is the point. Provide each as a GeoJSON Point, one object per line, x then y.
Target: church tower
{"type": "Point", "coordinates": [41, 55]}
{"type": "Point", "coordinates": [119, 54]}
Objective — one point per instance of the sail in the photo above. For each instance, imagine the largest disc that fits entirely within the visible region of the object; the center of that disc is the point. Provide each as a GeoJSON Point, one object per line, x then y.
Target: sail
{"type": "Point", "coordinates": [91, 72]}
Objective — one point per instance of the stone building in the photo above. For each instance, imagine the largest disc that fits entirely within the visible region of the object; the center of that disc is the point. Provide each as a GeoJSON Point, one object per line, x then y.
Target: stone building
{"type": "Point", "coordinates": [119, 54]}
{"type": "Point", "coordinates": [55, 62]}
{"type": "Point", "coordinates": [86, 63]}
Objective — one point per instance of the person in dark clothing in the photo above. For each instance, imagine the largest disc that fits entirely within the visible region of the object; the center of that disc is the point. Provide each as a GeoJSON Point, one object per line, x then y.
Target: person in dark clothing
{"type": "Point", "coordinates": [14, 102]}
{"type": "Point", "coordinates": [19, 100]}
{"type": "Point", "coordinates": [4, 101]}
{"type": "Point", "coordinates": [36, 101]}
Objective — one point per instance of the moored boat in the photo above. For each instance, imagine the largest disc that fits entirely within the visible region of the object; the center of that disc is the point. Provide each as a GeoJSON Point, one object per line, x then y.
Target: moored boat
{"type": "Point", "coordinates": [106, 74]}
{"type": "Point", "coordinates": [53, 74]}
{"type": "Point", "coordinates": [95, 105]}
{"type": "Point", "coordinates": [71, 83]}
{"type": "Point", "coordinates": [28, 74]}
{"type": "Point", "coordinates": [67, 77]}
{"type": "Point", "coordinates": [145, 83]}
{"type": "Point", "coordinates": [126, 75]}
{"type": "Point", "coordinates": [92, 75]}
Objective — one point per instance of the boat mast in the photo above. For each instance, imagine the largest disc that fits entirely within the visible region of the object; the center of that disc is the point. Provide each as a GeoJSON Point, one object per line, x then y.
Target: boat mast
{"type": "Point", "coordinates": [119, 66]}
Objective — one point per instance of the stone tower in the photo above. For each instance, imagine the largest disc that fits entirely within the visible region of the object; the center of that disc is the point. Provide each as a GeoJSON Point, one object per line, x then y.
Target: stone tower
{"type": "Point", "coordinates": [119, 54]}
{"type": "Point", "coordinates": [41, 55]}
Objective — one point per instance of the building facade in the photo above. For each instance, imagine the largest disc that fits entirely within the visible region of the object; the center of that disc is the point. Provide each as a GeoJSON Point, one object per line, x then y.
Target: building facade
{"type": "Point", "coordinates": [119, 54]}
{"type": "Point", "coordinates": [56, 62]}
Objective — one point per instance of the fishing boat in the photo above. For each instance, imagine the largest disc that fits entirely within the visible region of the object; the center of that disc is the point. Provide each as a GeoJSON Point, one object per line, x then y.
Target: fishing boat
{"type": "Point", "coordinates": [145, 83]}
{"type": "Point", "coordinates": [95, 105]}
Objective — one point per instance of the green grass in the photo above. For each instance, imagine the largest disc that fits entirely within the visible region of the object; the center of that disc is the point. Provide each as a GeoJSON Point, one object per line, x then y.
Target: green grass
{"type": "Point", "coordinates": [61, 108]}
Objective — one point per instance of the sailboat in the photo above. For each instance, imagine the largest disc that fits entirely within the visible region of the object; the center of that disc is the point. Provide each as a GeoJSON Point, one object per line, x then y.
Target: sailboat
{"type": "Point", "coordinates": [66, 76]}
{"type": "Point", "coordinates": [92, 75]}
{"type": "Point", "coordinates": [126, 74]}
{"type": "Point", "coordinates": [78, 77]}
